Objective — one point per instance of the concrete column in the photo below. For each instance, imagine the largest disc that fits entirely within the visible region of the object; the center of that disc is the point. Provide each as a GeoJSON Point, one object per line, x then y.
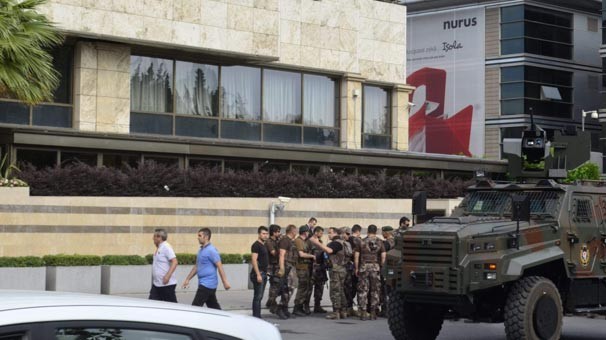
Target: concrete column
{"type": "Point", "coordinates": [102, 87]}
{"type": "Point", "coordinates": [399, 117]}
{"type": "Point", "coordinates": [351, 112]}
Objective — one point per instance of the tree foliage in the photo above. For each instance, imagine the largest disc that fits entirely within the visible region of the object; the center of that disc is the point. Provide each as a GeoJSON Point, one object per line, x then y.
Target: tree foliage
{"type": "Point", "coordinates": [587, 171]}
{"type": "Point", "coordinates": [26, 67]}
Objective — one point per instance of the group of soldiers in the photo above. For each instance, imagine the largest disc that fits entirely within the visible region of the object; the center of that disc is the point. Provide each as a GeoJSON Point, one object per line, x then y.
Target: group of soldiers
{"type": "Point", "coordinates": [299, 259]}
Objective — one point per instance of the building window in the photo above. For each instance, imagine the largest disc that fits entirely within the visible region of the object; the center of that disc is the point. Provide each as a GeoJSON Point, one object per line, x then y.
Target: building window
{"type": "Point", "coordinates": [58, 112]}
{"type": "Point", "coordinates": [529, 29]}
{"type": "Point", "coordinates": [545, 92]}
{"type": "Point", "coordinates": [376, 131]}
{"type": "Point", "coordinates": [232, 102]}
{"type": "Point", "coordinates": [241, 92]}
{"type": "Point", "coordinates": [151, 85]}
{"type": "Point", "coordinates": [39, 159]}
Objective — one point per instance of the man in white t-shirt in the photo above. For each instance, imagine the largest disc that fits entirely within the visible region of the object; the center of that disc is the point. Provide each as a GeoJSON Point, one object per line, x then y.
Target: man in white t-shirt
{"type": "Point", "coordinates": [163, 269]}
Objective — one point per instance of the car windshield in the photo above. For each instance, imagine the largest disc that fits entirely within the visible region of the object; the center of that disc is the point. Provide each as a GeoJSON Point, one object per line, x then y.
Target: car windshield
{"type": "Point", "coordinates": [498, 203]}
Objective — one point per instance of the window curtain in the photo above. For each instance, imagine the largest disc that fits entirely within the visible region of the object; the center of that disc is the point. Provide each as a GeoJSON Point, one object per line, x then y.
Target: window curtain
{"type": "Point", "coordinates": [196, 89]}
{"type": "Point", "coordinates": [151, 84]}
{"type": "Point", "coordinates": [376, 111]}
{"type": "Point", "coordinates": [241, 92]}
{"type": "Point", "coordinates": [281, 97]}
{"type": "Point", "coordinates": [318, 100]}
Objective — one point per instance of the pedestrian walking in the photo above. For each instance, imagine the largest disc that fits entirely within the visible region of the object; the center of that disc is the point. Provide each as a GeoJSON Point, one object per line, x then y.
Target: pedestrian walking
{"type": "Point", "coordinates": [303, 267]}
{"type": "Point", "coordinates": [163, 269]}
{"type": "Point", "coordinates": [318, 273]}
{"type": "Point", "coordinates": [274, 266]}
{"type": "Point", "coordinates": [287, 272]}
{"type": "Point", "coordinates": [338, 251]}
{"type": "Point", "coordinates": [368, 259]}
{"type": "Point", "coordinates": [208, 263]}
{"type": "Point", "coordinates": [258, 275]}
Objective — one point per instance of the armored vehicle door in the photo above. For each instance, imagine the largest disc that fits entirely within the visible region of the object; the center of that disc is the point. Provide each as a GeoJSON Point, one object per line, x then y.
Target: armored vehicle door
{"type": "Point", "coordinates": [584, 236]}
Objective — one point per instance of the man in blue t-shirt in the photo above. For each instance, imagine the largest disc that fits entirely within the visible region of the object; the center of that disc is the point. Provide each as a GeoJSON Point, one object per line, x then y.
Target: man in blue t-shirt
{"type": "Point", "coordinates": [207, 264]}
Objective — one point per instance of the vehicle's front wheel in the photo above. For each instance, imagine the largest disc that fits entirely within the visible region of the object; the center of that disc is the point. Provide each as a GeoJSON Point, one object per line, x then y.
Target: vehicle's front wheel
{"type": "Point", "coordinates": [411, 321]}
{"type": "Point", "coordinates": [533, 310]}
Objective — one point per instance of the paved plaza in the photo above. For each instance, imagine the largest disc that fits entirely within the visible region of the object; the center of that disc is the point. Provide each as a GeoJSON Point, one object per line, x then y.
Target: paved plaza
{"type": "Point", "coordinates": [317, 327]}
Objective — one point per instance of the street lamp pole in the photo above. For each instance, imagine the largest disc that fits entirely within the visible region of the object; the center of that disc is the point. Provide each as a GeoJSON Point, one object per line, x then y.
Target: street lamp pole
{"type": "Point", "coordinates": [594, 115]}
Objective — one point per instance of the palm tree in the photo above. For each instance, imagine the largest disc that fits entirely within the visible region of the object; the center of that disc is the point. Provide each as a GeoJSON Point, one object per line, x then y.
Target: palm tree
{"type": "Point", "coordinates": [26, 67]}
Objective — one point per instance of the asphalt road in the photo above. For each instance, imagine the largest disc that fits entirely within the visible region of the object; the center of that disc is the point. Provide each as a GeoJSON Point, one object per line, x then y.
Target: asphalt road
{"type": "Point", "coordinates": [316, 327]}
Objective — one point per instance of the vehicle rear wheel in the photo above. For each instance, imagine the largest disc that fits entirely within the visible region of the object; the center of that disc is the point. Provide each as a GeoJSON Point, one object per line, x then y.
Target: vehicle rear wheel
{"type": "Point", "coordinates": [533, 310]}
{"type": "Point", "coordinates": [412, 321]}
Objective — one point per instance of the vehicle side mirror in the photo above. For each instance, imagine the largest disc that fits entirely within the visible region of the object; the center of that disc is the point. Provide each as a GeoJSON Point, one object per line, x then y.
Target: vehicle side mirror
{"type": "Point", "coordinates": [419, 203]}
{"type": "Point", "coordinates": [520, 205]}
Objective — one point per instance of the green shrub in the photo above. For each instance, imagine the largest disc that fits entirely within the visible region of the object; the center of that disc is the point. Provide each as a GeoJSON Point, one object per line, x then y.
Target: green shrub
{"type": "Point", "coordinates": [150, 258]}
{"type": "Point", "coordinates": [71, 260]}
{"type": "Point", "coordinates": [186, 259]}
{"type": "Point", "coordinates": [123, 260]}
{"type": "Point", "coordinates": [247, 258]}
{"type": "Point", "coordinates": [25, 261]}
{"type": "Point", "coordinates": [231, 259]}
{"type": "Point", "coordinates": [588, 171]}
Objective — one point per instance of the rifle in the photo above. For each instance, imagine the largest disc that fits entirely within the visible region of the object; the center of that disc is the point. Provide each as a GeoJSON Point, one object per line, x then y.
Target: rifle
{"type": "Point", "coordinates": [284, 281]}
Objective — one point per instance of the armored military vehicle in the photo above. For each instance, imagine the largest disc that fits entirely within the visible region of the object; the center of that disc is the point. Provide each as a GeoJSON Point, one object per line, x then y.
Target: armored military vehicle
{"type": "Point", "coordinates": [523, 253]}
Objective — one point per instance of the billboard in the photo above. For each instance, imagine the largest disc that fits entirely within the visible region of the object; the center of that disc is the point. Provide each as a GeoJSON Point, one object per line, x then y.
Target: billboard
{"type": "Point", "coordinates": [445, 62]}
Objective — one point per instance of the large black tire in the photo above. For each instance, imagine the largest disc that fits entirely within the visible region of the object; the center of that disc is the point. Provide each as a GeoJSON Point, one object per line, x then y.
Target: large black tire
{"type": "Point", "coordinates": [411, 321]}
{"type": "Point", "coordinates": [533, 310]}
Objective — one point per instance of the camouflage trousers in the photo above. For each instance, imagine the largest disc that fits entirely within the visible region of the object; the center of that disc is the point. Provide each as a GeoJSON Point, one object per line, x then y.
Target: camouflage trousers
{"type": "Point", "coordinates": [274, 284]}
{"type": "Point", "coordinates": [304, 287]}
{"type": "Point", "coordinates": [288, 284]}
{"type": "Point", "coordinates": [350, 287]}
{"type": "Point", "coordinates": [318, 280]}
{"type": "Point", "coordinates": [337, 288]}
{"type": "Point", "coordinates": [385, 291]}
{"type": "Point", "coordinates": [369, 287]}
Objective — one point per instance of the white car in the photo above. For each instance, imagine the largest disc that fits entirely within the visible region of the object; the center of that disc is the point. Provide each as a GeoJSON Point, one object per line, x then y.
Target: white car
{"type": "Point", "coordinates": [36, 315]}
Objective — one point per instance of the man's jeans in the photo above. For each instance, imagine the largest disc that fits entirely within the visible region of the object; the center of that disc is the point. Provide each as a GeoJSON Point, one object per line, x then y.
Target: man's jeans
{"type": "Point", "coordinates": [259, 290]}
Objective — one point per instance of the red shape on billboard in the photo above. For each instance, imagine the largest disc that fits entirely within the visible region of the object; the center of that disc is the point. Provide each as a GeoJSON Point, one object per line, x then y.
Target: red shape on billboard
{"type": "Point", "coordinates": [445, 135]}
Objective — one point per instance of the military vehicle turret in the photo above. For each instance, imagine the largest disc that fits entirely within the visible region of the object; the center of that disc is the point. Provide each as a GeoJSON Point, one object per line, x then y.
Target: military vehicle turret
{"type": "Point", "coordinates": [522, 253]}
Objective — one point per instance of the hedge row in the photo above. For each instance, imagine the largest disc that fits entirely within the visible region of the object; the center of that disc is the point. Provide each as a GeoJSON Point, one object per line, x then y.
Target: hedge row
{"type": "Point", "coordinates": [108, 260]}
{"type": "Point", "coordinates": [151, 179]}
{"type": "Point", "coordinates": [188, 259]}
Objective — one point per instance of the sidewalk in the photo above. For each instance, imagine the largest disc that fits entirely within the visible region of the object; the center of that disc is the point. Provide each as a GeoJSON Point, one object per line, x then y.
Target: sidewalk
{"type": "Point", "coordinates": [237, 301]}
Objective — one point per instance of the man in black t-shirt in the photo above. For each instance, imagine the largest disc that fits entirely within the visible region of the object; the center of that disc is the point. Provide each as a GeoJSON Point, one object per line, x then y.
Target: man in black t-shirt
{"type": "Point", "coordinates": [258, 275]}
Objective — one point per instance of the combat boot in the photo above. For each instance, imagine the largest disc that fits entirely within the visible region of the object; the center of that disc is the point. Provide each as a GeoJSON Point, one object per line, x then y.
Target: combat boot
{"type": "Point", "coordinates": [289, 314]}
{"type": "Point", "coordinates": [343, 314]}
{"type": "Point", "coordinates": [373, 315]}
{"type": "Point", "coordinates": [298, 310]}
{"type": "Point", "coordinates": [273, 309]}
{"type": "Point", "coordinates": [336, 315]}
{"type": "Point", "coordinates": [363, 315]}
{"type": "Point", "coordinates": [306, 309]}
{"type": "Point", "coordinates": [351, 312]}
{"type": "Point", "coordinates": [319, 310]}
{"type": "Point", "coordinates": [280, 312]}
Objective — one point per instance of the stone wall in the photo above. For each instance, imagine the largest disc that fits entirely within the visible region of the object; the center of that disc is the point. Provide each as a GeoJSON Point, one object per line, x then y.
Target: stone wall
{"type": "Point", "coordinates": [365, 37]}
{"type": "Point", "coordinates": [35, 225]}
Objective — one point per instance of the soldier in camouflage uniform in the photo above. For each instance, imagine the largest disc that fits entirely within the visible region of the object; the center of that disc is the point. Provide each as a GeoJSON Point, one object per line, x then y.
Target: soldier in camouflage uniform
{"type": "Point", "coordinates": [303, 267]}
{"type": "Point", "coordinates": [351, 280]}
{"type": "Point", "coordinates": [318, 273]}
{"type": "Point", "coordinates": [274, 255]}
{"type": "Point", "coordinates": [369, 257]}
{"type": "Point", "coordinates": [389, 242]}
{"type": "Point", "coordinates": [338, 251]}
{"type": "Point", "coordinates": [287, 272]}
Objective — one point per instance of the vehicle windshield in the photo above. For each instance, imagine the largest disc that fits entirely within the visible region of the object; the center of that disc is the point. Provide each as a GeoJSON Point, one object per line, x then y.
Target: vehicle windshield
{"type": "Point", "coordinates": [498, 203]}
